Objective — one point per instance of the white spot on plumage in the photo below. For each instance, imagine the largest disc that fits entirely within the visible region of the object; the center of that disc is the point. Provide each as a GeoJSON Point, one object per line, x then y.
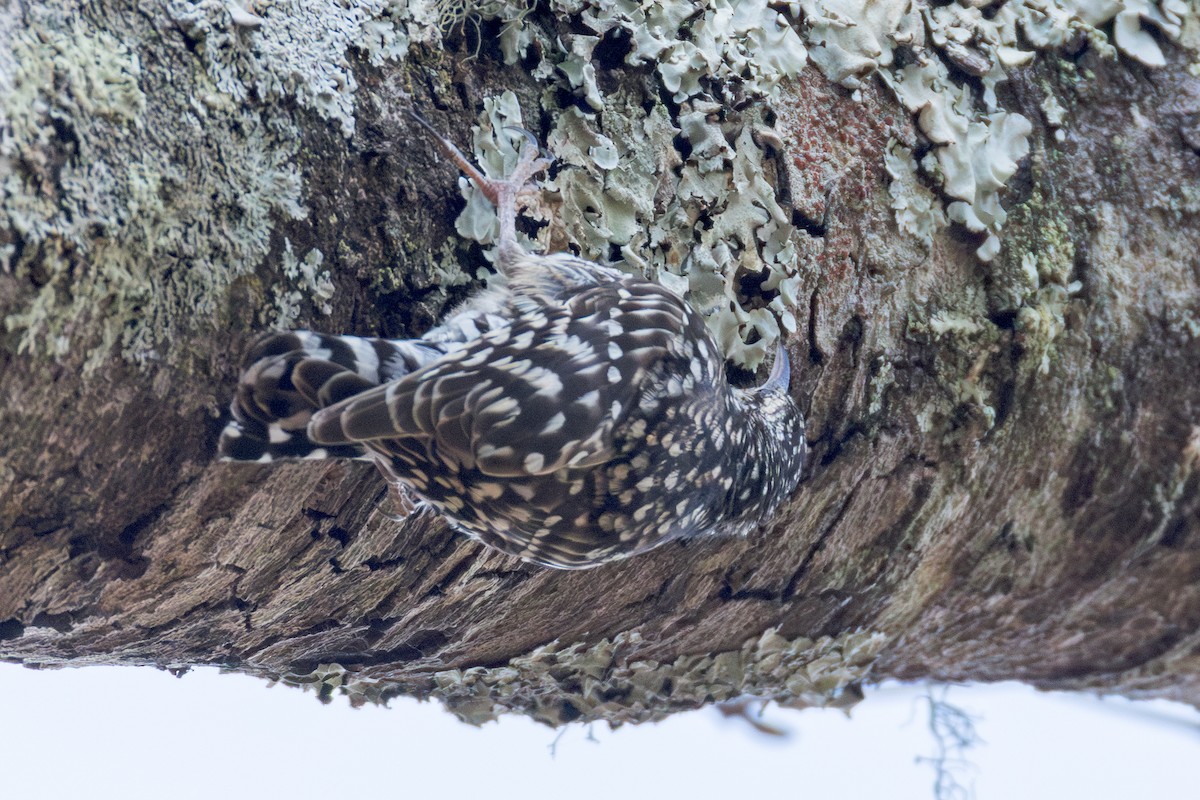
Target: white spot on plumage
{"type": "Point", "coordinates": [487, 490]}
{"type": "Point", "coordinates": [311, 342]}
{"type": "Point", "coordinates": [479, 358]}
{"type": "Point", "coordinates": [574, 346]}
{"type": "Point", "coordinates": [467, 328]}
{"type": "Point", "coordinates": [489, 451]}
{"type": "Point", "coordinates": [518, 368]}
{"type": "Point", "coordinates": [502, 407]}
{"type": "Point", "coordinates": [548, 383]}
{"type": "Point", "coordinates": [366, 360]}
{"type": "Point", "coordinates": [523, 490]}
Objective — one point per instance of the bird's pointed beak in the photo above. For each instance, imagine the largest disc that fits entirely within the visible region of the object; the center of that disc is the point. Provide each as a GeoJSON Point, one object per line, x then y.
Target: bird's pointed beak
{"type": "Point", "coordinates": [781, 371]}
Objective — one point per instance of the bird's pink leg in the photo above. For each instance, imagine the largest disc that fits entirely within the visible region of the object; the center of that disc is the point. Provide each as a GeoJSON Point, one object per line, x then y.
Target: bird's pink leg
{"type": "Point", "coordinates": [503, 194]}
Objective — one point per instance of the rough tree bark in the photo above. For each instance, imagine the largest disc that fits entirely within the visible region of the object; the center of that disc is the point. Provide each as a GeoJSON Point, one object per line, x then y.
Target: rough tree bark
{"type": "Point", "coordinates": [1003, 482]}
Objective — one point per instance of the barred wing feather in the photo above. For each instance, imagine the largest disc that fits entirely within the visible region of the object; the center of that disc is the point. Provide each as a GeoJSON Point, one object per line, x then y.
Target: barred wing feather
{"type": "Point", "coordinates": [539, 395]}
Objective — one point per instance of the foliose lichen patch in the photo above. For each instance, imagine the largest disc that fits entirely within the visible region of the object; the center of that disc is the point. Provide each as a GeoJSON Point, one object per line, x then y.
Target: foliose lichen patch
{"type": "Point", "coordinates": [559, 683]}
{"type": "Point", "coordinates": [705, 53]}
{"type": "Point", "coordinates": [168, 190]}
{"type": "Point", "coordinates": [121, 239]}
{"type": "Point", "coordinates": [304, 279]}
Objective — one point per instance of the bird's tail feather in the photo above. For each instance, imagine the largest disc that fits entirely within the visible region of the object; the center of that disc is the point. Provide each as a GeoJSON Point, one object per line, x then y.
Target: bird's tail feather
{"type": "Point", "coordinates": [288, 375]}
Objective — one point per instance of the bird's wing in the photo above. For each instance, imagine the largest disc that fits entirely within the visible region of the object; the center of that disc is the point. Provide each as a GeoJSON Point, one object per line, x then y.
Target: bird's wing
{"type": "Point", "coordinates": [529, 399]}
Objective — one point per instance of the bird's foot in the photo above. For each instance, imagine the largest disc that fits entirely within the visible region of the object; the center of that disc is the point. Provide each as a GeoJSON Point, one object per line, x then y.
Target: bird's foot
{"type": "Point", "coordinates": [502, 193]}
{"type": "Point", "coordinates": [402, 500]}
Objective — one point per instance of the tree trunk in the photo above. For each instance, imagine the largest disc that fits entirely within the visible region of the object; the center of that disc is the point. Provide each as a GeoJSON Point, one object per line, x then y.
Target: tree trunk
{"type": "Point", "coordinates": [1003, 482]}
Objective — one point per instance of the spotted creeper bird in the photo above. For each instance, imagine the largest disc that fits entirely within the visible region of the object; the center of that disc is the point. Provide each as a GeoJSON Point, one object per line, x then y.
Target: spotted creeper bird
{"type": "Point", "coordinates": [570, 414]}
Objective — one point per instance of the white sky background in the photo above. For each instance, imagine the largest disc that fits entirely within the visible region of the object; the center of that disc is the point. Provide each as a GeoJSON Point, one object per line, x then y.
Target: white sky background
{"type": "Point", "coordinates": [132, 733]}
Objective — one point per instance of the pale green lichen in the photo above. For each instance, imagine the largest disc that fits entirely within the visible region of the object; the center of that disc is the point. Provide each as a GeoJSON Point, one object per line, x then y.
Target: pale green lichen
{"type": "Point", "coordinates": [976, 153]}
{"type": "Point", "coordinates": [329, 678]}
{"type": "Point", "coordinates": [1054, 112]}
{"type": "Point", "coordinates": [608, 189]}
{"type": "Point", "coordinates": [852, 39]}
{"type": "Point", "coordinates": [559, 683]}
{"type": "Point", "coordinates": [611, 195]}
{"type": "Point", "coordinates": [703, 52]}
{"type": "Point", "coordinates": [174, 180]}
{"type": "Point", "coordinates": [881, 381]}
{"type": "Point", "coordinates": [918, 212]}
{"type": "Point", "coordinates": [947, 322]}
{"type": "Point", "coordinates": [299, 51]}
{"type": "Point", "coordinates": [700, 49]}
{"type": "Point", "coordinates": [579, 70]}
{"type": "Point", "coordinates": [976, 143]}
{"type": "Point", "coordinates": [1130, 20]}
{"type": "Point", "coordinates": [307, 284]}
{"type": "Point", "coordinates": [126, 246]}
{"type": "Point", "coordinates": [687, 43]}
{"type": "Point", "coordinates": [1039, 278]}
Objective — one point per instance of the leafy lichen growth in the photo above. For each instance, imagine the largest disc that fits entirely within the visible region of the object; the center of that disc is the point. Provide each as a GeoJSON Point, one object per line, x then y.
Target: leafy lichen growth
{"type": "Point", "coordinates": [558, 683]}
{"type": "Point", "coordinates": [1036, 278]}
{"type": "Point", "coordinates": [298, 52]}
{"type": "Point", "coordinates": [306, 281]}
{"type": "Point", "coordinates": [138, 197]}
{"type": "Point", "coordinates": [918, 212]}
{"type": "Point", "coordinates": [168, 192]}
